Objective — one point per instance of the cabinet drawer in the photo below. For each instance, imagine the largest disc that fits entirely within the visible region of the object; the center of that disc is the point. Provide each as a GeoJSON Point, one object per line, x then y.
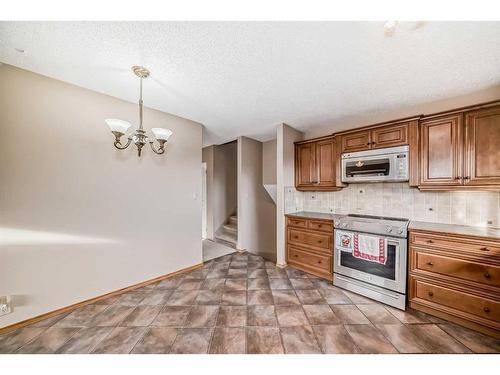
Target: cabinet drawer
{"type": "Point", "coordinates": [462, 269]}
{"type": "Point", "coordinates": [302, 256]}
{"type": "Point", "coordinates": [469, 303]}
{"type": "Point", "coordinates": [316, 241]}
{"type": "Point", "coordinates": [320, 225]}
{"type": "Point", "coordinates": [457, 244]}
{"type": "Point", "coordinates": [296, 222]}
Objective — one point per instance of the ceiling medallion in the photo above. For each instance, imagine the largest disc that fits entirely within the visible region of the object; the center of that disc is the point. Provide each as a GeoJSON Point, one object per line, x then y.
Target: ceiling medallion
{"type": "Point", "coordinates": [140, 138]}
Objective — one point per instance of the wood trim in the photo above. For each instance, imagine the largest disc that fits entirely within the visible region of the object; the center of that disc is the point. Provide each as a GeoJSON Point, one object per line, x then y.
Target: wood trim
{"type": "Point", "coordinates": [322, 138]}
{"type": "Point", "coordinates": [380, 124]}
{"type": "Point", "coordinates": [448, 235]}
{"type": "Point", "coordinates": [309, 218]}
{"type": "Point", "coordinates": [414, 150]}
{"type": "Point", "coordinates": [77, 305]}
{"type": "Point", "coordinates": [462, 109]}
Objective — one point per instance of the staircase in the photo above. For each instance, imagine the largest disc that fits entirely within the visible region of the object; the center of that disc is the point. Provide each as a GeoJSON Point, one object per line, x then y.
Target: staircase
{"type": "Point", "coordinates": [227, 234]}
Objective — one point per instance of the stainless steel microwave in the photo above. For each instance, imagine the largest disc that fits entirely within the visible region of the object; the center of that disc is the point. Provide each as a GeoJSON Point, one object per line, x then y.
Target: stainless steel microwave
{"type": "Point", "coordinates": [381, 165]}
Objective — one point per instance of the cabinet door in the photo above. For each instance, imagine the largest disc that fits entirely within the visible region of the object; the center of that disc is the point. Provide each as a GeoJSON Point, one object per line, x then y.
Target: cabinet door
{"type": "Point", "coordinates": [441, 151]}
{"type": "Point", "coordinates": [305, 165]}
{"type": "Point", "coordinates": [390, 136]}
{"type": "Point", "coordinates": [357, 141]}
{"type": "Point", "coordinates": [325, 163]}
{"type": "Point", "coordinates": [482, 152]}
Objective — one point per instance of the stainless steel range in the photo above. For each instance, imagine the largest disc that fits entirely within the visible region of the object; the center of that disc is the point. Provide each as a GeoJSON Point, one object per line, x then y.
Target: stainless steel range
{"type": "Point", "coordinates": [370, 257]}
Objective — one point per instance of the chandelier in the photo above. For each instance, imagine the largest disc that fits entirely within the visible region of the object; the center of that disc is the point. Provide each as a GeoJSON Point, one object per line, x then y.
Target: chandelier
{"type": "Point", "coordinates": [119, 127]}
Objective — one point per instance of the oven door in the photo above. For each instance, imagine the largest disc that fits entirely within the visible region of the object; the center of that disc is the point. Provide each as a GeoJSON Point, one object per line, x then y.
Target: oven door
{"type": "Point", "coordinates": [391, 275]}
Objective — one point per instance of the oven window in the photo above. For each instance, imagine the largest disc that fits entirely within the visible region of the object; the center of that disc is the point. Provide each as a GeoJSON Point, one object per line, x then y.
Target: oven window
{"type": "Point", "coordinates": [377, 167]}
{"type": "Point", "coordinates": [387, 270]}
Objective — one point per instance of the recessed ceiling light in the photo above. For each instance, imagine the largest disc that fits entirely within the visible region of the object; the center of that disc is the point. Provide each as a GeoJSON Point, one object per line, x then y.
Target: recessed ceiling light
{"type": "Point", "coordinates": [20, 50]}
{"type": "Point", "coordinates": [389, 27]}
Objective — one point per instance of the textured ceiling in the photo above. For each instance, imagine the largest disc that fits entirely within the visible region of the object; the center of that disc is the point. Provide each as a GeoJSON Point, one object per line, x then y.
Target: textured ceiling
{"type": "Point", "coordinates": [242, 78]}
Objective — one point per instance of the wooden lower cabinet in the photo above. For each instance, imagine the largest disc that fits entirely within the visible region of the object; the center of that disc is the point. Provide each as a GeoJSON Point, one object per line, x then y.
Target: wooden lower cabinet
{"type": "Point", "coordinates": [456, 278]}
{"type": "Point", "coordinates": [309, 245]}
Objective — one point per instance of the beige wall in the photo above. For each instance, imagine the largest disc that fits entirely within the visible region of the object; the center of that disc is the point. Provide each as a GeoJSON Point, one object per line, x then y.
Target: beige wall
{"type": "Point", "coordinates": [78, 217]}
{"type": "Point", "coordinates": [224, 183]}
{"type": "Point", "coordinates": [256, 209]}
{"type": "Point", "coordinates": [285, 150]}
{"type": "Point", "coordinates": [269, 162]}
{"type": "Point", "coordinates": [386, 114]}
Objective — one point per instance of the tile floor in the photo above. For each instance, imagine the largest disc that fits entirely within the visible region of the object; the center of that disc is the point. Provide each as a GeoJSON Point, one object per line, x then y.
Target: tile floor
{"type": "Point", "coordinates": [239, 303]}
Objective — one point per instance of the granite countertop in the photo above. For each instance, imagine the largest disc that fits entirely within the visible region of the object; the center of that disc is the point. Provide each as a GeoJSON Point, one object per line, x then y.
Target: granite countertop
{"type": "Point", "coordinates": [466, 230]}
{"type": "Point", "coordinates": [315, 215]}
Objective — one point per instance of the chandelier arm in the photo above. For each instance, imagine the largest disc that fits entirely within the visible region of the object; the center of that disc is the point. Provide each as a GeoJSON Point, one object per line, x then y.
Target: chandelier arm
{"type": "Point", "coordinates": [119, 146]}
{"type": "Point", "coordinates": [160, 151]}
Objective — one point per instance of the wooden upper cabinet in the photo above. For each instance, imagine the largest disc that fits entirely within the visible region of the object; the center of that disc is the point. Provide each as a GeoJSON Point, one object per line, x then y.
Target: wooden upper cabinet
{"type": "Point", "coordinates": [316, 165]}
{"type": "Point", "coordinates": [441, 151]}
{"type": "Point", "coordinates": [325, 163]}
{"type": "Point", "coordinates": [389, 136]}
{"type": "Point", "coordinates": [305, 165]}
{"type": "Point", "coordinates": [482, 147]}
{"type": "Point", "coordinates": [357, 141]}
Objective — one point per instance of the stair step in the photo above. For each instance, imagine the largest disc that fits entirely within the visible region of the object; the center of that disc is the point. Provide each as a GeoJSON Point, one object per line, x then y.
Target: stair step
{"type": "Point", "coordinates": [230, 227]}
{"type": "Point", "coordinates": [226, 235]}
{"type": "Point", "coordinates": [233, 220]}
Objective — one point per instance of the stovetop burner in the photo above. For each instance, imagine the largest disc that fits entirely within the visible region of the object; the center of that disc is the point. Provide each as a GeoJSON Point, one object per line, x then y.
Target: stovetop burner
{"type": "Point", "coordinates": [378, 217]}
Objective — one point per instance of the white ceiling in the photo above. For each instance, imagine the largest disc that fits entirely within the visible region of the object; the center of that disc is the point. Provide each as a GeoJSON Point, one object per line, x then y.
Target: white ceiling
{"type": "Point", "coordinates": [243, 78]}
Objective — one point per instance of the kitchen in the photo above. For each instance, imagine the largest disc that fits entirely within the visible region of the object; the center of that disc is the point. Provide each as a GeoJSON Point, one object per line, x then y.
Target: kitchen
{"type": "Point", "coordinates": [405, 212]}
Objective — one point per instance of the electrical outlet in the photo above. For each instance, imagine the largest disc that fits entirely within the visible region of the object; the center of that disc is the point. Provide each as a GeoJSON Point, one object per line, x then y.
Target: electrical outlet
{"type": "Point", "coordinates": [5, 307]}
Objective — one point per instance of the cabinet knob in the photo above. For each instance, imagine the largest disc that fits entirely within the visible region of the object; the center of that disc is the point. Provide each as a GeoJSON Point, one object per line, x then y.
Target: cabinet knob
{"type": "Point", "coordinates": [368, 144]}
{"type": "Point", "coordinates": [320, 241]}
{"type": "Point", "coordinates": [487, 275]}
{"type": "Point", "coordinates": [296, 256]}
{"type": "Point", "coordinates": [295, 237]}
{"type": "Point", "coordinates": [373, 143]}
{"type": "Point", "coordinates": [319, 261]}
{"type": "Point", "coordinates": [430, 263]}
{"type": "Point", "coordinates": [431, 293]}
{"type": "Point", "coordinates": [486, 309]}
{"type": "Point", "coordinates": [484, 249]}
{"type": "Point", "coordinates": [430, 241]}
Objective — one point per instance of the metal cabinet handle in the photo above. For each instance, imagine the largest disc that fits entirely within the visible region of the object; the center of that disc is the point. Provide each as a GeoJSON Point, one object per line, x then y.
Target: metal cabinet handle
{"type": "Point", "coordinates": [430, 263]}
{"type": "Point", "coordinates": [486, 309]}
{"type": "Point", "coordinates": [487, 275]}
{"type": "Point", "coordinates": [484, 249]}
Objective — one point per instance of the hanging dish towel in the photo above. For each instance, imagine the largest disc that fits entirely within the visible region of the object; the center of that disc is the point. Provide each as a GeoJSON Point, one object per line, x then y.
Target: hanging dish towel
{"type": "Point", "coordinates": [371, 248]}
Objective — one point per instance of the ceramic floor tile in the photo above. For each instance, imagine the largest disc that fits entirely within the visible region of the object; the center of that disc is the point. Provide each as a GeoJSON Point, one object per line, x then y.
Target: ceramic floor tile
{"type": "Point", "coordinates": [291, 316]}
{"type": "Point", "coordinates": [182, 298]}
{"type": "Point", "coordinates": [320, 314]}
{"type": "Point", "coordinates": [49, 322]}
{"type": "Point", "coordinates": [49, 341]}
{"type": "Point", "coordinates": [436, 340]}
{"type": "Point", "coordinates": [258, 284]}
{"type": "Point", "coordinates": [402, 338]}
{"type": "Point", "coordinates": [276, 273]}
{"type": "Point", "coordinates": [260, 297]}
{"type": "Point", "coordinates": [190, 284]}
{"type": "Point", "coordinates": [256, 265]}
{"type": "Point", "coordinates": [279, 284]}
{"type": "Point", "coordinates": [369, 340]}
{"type": "Point", "coordinates": [232, 316]}
{"type": "Point", "coordinates": [358, 299]}
{"type": "Point", "coordinates": [112, 316]}
{"type": "Point", "coordinates": [264, 340]}
{"type": "Point", "coordinates": [299, 340]}
{"type": "Point", "coordinates": [156, 297]}
{"type": "Point", "coordinates": [192, 341]}
{"type": "Point", "coordinates": [236, 284]}
{"type": "Point", "coordinates": [214, 284]}
{"type": "Point", "coordinates": [262, 315]}
{"type": "Point", "coordinates": [85, 340]}
{"type": "Point", "coordinates": [294, 273]}
{"type": "Point", "coordinates": [209, 297]}
{"type": "Point", "coordinates": [310, 297]}
{"type": "Point", "coordinates": [258, 273]}
{"type": "Point", "coordinates": [107, 301]}
{"type": "Point", "coordinates": [228, 341]}
{"type": "Point", "coordinates": [172, 316]}
{"type": "Point", "coordinates": [142, 316]}
{"type": "Point", "coordinates": [130, 299]}
{"type": "Point", "coordinates": [475, 341]}
{"type": "Point", "coordinates": [202, 316]}
{"type": "Point", "coordinates": [335, 339]}
{"type": "Point", "coordinates": [10, 342]}
{"type": "Point", "coordinates": [409, 316]}
{"type": "Point", "coordinates": [169, 284]}
{"type": "Point", "coordinates": [302, 284]}
{"type": "Point", "coordinates": [81, 317]}
{"type": "Point", "coordinates": [285, 297]}
{"type": "Point", "coordinates": [157, 340]}
{"type": "Point", "coordinates": [234, 297]}
{"type": "Point", "coordinates": [236, 273]}
{"type": "Point", "coordinates": [121, 340]}
{"type": "Point", "coordinates": [349, 314]}
{"type": "Point", "coordinates": [238, 265]}
{"type": "Point", "coordinates": [334, 296]}
{"type": "Point", "coordinates": [377, 314]}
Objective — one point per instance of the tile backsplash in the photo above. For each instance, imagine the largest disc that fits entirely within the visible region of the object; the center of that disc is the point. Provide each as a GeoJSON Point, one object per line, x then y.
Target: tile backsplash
{"type": "Point", "coordinates": [399, 200]}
